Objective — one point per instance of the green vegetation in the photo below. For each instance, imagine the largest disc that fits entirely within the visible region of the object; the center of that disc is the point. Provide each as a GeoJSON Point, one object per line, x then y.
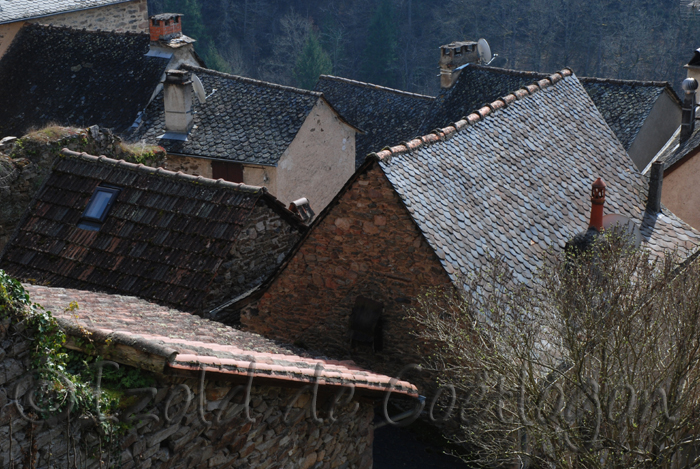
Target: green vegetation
{"type": "Point", "coordinates": [312, 62]}
{"type": "Point", "coordinates": [395, 42]}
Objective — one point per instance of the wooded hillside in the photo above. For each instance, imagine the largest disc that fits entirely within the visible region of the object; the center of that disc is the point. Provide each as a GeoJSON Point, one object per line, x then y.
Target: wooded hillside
{"type": "Point", "coordinates": [395, 42]}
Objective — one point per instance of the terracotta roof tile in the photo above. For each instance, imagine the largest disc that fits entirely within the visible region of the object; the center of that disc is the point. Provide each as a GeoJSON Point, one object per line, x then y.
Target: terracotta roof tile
{"type": "Point", "coordinates": [169, 253]}
{"type": "Point", "coordinates": [178, 335]}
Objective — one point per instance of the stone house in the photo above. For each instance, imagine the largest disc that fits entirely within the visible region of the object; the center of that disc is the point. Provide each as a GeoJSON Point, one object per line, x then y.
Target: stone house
{"type": "Point", "coordinates": [289, 140]}
{"type": "Point", "coordinates": [93, 15]}
{"type": "Point", "coordinates": [510, 180]}
{"type": "Point", "coordinates": [108, 225]}
{"type": "Point", "coordinates": [72, 77]}
{"type": "Point", "coordinates": [192, 414]}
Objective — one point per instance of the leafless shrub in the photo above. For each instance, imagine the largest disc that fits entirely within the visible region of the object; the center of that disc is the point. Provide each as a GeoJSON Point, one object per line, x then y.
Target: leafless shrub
{"type": "Point", "coordinates": [594, 364]}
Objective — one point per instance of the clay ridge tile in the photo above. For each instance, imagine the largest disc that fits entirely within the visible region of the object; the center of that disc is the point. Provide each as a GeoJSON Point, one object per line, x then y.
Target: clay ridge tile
{"type": "Point", "coordinates": [472, 118]}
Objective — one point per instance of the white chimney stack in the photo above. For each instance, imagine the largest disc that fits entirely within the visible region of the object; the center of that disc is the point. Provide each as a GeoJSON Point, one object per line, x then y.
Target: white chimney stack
{"type": "Point", "coordinates": [177, 95]}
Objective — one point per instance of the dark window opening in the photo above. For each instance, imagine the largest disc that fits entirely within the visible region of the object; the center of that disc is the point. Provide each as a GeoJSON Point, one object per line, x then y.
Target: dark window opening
{"type": "Point", "coordinates": [98, 207]}
{"type": "Point", "coordinates": [366, 323]}
{"type": "Point", "coordinates": [232, 172]}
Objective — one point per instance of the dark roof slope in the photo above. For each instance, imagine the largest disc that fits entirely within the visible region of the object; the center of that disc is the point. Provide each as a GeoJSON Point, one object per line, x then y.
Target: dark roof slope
{"type": "Point", "coordinates": [385, 115]}
{"type": "Point", "coordinates": [675, 152]}
{"type": "Point", "coordinates": [625, 104]}
{"type": "Point", "coordinates": [476, 85]}
{"type": "Point", "coordinates": [164, 238]}
{"type": "Point", "coordinates": [188, 343]}
{"type": "Point", "coordinates": [15, 10]}
{"type": "Point", "coordinates": [243, 120]}
{"type": "Point", "coordinates": [72, 77]}
{"type": "Point", "coordinates": [514, 178]}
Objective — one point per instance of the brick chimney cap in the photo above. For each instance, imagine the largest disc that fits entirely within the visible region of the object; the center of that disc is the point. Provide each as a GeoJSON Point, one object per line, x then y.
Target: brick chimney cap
{"type": "Point", "coordinates": [689, 85]}
{"type": "Point", "coordinates": [599, 184]}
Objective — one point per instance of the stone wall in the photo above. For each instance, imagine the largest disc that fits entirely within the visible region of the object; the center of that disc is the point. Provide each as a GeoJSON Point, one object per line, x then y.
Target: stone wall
{"type": "Point", "coordinates": [24, 167]}
{"type": "Point", "coordinates": [186, 441]}
{"type": "Point", "coordinates": [189, 165]}
{"type": "Point", "coordinates": [367, 245]}
{"type": "Point", "coordinates": [129, 16]}
{"type": "Point", "coordinates": [258, 252]}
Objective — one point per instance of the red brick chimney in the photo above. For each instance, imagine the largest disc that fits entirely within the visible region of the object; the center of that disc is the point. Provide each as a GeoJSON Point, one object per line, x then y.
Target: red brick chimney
{"type": "Point", "coordinates": [165, 26]}
{"type": "Point", "coordinates": [597, 203]}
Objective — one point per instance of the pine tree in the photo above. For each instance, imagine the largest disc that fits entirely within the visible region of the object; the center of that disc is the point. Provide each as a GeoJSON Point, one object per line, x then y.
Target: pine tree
{"type": "Point", "coordinates": [380, 57]}
{"type": "Point", "coordinates": [312, 62]}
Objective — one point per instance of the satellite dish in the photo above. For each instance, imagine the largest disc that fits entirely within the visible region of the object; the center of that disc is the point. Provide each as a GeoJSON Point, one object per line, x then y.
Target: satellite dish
{"type": "Point", "coordinates": [624, 223]}
{"type": "Point", "coordinates": [199, 89]}
{"type": "Point", "coordinates": [484, 51]}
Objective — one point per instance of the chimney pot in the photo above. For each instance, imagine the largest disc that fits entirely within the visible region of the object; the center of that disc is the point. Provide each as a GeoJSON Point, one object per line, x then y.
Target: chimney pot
{"type": "Point", "coordinates": [656, 178]}
{"type": "Point", "coordinates": [597, 203]}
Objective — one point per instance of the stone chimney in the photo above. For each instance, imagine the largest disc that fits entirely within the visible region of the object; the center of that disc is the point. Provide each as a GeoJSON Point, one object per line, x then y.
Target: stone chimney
{"type": "Point", "coordinates": [165, 26]}
{"type": "Point", "coordinates": [656, 178]}
{"type": "Point", "coordinates": [690, 87]}
{"type": "Point", "coordinates": [453, 56]}
{"type": "Point", "coordinates": [177, 95]}
{"type": "Point", "coordinates": [597, 204]}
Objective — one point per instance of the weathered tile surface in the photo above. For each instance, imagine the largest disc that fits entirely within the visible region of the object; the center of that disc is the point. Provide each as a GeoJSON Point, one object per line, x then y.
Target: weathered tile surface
{"type": "Point", "coordinates": [518, 181]}
{"type": "Point", "coordinates": [625, 104]}
{"type": "Point", "coordinates": [199, 342]}
{"type": "Point", "coordinates": [15, 10]}
{"type": "Point", "coordinates": [243, 120]}
{"type": "Point", "coordinates": [167, 237]}
{"type": "Point", "coordinates": [386, 116]}
{"type": "Point", "coordinates": [74, 77]}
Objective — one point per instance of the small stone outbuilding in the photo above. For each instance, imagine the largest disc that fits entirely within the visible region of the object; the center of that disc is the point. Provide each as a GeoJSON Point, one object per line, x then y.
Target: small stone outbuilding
{"type": "Point", "coordinates": [218, 397]}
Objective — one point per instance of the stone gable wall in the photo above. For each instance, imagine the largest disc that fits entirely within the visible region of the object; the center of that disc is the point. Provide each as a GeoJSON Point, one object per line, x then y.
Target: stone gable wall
{"type": "Point", "coordinates": [367, 245]}
{"type": "Point", "coordinates": [123, 17]}
{"type": "Point", "coordinates": [186, 442]}
{"type": "Point", "coordinates": [259, 250]}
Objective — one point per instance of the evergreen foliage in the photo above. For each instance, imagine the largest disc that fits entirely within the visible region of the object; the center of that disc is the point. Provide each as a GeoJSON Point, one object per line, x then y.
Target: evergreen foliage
{"type": "Point", "coordinates": [380, 59]}
{"type": "Point", "coordinates": [312, 62]}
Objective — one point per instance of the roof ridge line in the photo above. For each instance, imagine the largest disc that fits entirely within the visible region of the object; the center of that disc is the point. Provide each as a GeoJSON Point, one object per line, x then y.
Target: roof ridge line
{"type": "Point", "coordinates": [617, 81]}
{"type": "Point", "coordinates": [252, 81]}
{"type": "Point", "coordinates": [219, 183]}
{"type": "Point", "coordinates": [488, 109]}
{"type": "Point", "coordinates": [377, 87]}
{"type": "Point", "coordinates": [96, 32]}
{"type": "Point", "coordinates": [508, 71]}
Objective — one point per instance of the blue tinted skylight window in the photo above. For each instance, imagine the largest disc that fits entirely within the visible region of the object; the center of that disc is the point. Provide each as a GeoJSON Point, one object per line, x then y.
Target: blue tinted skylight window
{"type": "Point", "coordinates": [101, 201]}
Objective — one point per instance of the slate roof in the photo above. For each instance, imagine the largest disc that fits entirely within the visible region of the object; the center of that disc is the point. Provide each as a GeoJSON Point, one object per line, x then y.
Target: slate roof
{"type": "Point", "coordinates": [514, 178]}
{"type": "Point", "coordinates": [189, 343]}
{"type": "Point", "coordinates": [385, 115]}
{"type": "Point", "coordinates": [476, 85]}
{"type": "Point", "coordinates": [164, 239]}
{"type": "Point", "coordinates": [625, 104]}
{"type": "Point", "coordinates": [74, 77]}
{"type": "Point", "coordinates": [674, 153]}
{"type": "Point", "coordinates": [243, 120]}
{"type": "Point", "coordinates": [16, 10]}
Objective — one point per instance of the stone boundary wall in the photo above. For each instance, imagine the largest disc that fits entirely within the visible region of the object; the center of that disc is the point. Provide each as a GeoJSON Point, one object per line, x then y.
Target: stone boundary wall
{"type": "Point", "coordinates": [189, 165]}
{"type": "Point", "coordinates": [123, 17]}
{"type": "Point", "coordinates": [186, 441]}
